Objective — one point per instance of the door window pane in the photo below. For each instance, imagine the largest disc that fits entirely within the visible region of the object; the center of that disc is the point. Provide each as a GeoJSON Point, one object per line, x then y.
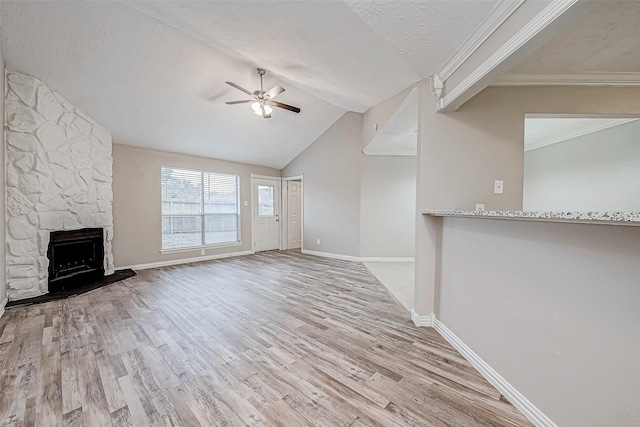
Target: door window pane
{"type": "Point", "coordinates": [265, 200]}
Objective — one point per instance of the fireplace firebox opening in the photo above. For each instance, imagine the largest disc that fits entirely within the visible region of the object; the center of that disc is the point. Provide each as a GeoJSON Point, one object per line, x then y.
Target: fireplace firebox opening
{"type": "Point", "coordinates": [76, 258]}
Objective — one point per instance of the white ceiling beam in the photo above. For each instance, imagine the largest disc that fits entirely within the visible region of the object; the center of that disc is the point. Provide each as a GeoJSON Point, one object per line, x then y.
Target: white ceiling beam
{"type": "Point", "coordinates": [522, 43]}
{"type": "Point", "coordinates": [489, 24]}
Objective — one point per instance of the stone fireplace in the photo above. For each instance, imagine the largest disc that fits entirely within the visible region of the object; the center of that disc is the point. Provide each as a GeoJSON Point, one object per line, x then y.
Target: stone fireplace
{"type": "Point", "coordinates": [58, 170]}
{"type": "Point", "coordinates": [75, 258]}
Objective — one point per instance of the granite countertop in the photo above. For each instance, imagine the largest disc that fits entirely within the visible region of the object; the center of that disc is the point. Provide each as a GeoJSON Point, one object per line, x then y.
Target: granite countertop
{"type": "Point", "coordinates": [612, 218]}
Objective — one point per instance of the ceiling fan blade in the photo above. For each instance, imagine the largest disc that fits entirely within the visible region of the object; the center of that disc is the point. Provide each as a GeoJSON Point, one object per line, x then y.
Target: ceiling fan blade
{"type": "Point", "coordinates": [285, 106]}
{"type": "Point", "coordinates": [239, 88]}
{"type": "Point", "coordinates": [264, 113]}
{"type": "Point", "coordinates": [274, 91]}
{"type": "Point", "coordinates": [240, 102]}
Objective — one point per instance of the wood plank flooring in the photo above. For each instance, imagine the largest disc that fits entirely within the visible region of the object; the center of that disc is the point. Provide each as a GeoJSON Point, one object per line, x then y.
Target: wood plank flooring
{"type": "Point", "coordinates": [273, 339]}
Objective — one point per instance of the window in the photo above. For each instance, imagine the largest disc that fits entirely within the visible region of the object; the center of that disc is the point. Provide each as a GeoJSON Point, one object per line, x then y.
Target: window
{"type": "Point", "coordinates": [199, 208]}
{"type": "Point", "coordinates": [265, 200]}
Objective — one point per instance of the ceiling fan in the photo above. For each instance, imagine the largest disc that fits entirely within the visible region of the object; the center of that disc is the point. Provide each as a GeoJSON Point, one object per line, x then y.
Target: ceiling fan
{"type": "Point", "coordinates": [262, 101]}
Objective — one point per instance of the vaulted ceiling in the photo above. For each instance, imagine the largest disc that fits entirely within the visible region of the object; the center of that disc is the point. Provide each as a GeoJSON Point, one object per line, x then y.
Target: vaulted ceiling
{"type": "Point", "coordinates": [153, 73]}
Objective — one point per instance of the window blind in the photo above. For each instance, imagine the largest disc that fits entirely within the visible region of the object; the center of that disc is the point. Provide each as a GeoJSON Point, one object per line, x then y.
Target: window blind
{"type": "Point", "coordinates": [198, 208]}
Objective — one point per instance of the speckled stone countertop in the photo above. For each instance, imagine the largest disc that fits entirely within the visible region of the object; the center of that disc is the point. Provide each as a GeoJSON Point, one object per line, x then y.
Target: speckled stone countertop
{"type": "Point", "coordinates": [612, 218]}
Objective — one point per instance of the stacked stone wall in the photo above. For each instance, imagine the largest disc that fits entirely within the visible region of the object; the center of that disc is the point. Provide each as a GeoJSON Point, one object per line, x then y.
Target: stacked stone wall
{"type": "Point", "coordinates": [58, 177]}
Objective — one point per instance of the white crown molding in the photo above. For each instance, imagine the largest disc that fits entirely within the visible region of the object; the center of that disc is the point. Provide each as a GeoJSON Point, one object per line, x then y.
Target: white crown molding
{"type": "Point", "coordinates": [489, 24]}
{"type": "Point", "coordinates": [425, 321]}
{"type": "Point", "coordinates": [569, 79]}
{"type": "Point", "coordinates": [595, 126]}
{"type": "Point", "coordinates": [528, 409]}
{"type": "Point", "coordinates": [184, 260]}
{"type": "Point", "coordinates": [526, 33]}
{"type": "Point", "coordinates": [3, 304]}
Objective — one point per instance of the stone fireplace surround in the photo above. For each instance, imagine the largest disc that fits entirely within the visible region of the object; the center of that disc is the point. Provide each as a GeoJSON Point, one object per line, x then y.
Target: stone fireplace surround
{"type": "Point", "coordinates": [58, 177]}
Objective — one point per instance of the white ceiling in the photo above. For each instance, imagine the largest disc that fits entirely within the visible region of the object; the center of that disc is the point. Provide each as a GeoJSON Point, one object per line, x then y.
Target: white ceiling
{"type": "Point", "coordinates": [153, 72]}
{"type": "Point", "coordinates": [543, 131]}
{"type": "Point", "coordinates": [321, 47]}
{"type": "Point", "coordinates": [606, 39]}
{"type": "Point", "coordinates": [153, 86]}
{"type": "Point", "coordinates": [424, 33]}
{"type": "Point", "coordinates": [398, 137]}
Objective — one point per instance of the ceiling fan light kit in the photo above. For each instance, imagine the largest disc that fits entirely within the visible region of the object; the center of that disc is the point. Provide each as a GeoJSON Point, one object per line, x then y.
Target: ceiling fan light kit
{"type": "Point", "coordinates": [262, 103]}
{"type": "Point", "coordinates": [257, 108]}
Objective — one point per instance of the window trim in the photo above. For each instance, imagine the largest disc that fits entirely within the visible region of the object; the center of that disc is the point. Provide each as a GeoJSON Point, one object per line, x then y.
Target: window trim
{"type": "Point", "coordinates": [202, 215]}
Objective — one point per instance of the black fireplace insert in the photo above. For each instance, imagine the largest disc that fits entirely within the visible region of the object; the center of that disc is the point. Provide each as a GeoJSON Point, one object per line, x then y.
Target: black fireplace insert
{"type": "Point", "coordinates": [76, 258]}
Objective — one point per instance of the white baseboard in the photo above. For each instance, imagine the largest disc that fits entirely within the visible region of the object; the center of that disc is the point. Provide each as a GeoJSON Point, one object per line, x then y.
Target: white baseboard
{"type": "Point", "coordinates": [355, 258]}
{"type": "Point", "coordinates": [3, 304]}
{"type": "Point", "coordinates": [518, 400]}
{"type": "Point", "coordinates": [419, 320]}
{"type": "Point", "coordinates": [184, 260]}
{"type": "Point", "coordinates": [333, 256]}
{"type": "Point", "coordinates": [382, 259]}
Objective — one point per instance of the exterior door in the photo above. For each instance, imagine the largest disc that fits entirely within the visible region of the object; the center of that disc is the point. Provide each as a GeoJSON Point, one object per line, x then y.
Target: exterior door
{"type": "Point", "coordinates": [294, 214]}
{"type": "Point", "coordinates": [266, 214]}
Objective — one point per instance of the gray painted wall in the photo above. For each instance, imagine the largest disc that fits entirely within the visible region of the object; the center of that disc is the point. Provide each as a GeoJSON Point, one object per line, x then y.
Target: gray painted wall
{"type": "Point", "coordinates": [595, 172]}
{"type": "Point", "coordinates": [388, 205]}
{"type": "Point", "coordinates": [524, 274]}
{"type": "Point", "coordinates": [357, 205]}
{"type": "Point", "coordinates": [554, 308]}
{"type": "Point", "coordinates": [331, 167]}
{"type": "Point", "coordinates": [137, 206]}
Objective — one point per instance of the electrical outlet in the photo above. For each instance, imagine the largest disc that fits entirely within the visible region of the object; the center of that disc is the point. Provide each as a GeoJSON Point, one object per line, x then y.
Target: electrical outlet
{"type": "Point", "coordinates": [479, 207]}
{"type": "Point", "coordinates": [201, 251]}
{"type": "Point", "coordinates": [317, 241]}
{"type": "Point", "coordinates": [498, 187]}
{"type": "Point", "coordinates": [246, 203]}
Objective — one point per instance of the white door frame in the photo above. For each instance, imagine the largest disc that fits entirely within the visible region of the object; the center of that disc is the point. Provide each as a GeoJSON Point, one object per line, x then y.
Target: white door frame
{"type": "Point", "coordinates": [284, 235]}
{"type": "Point", "coordinates": [254, 206]}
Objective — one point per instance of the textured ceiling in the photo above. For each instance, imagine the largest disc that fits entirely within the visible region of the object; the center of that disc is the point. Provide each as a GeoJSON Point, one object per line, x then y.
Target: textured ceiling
{"type": "Point", "coordinates": [153, 86]}
{"type": "Point", "coordinates": [320, 46]}
{"type": "Point", "coordinates": [153, 72]}
{"type": "Point", "coordinates": [424, 33]}
{"type": "Point", "coordinates": [606, 39]}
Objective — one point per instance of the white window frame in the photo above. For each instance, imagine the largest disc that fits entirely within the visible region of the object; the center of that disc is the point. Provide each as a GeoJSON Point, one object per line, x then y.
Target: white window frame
{"type": "Point", "coordinates": [202, 214]}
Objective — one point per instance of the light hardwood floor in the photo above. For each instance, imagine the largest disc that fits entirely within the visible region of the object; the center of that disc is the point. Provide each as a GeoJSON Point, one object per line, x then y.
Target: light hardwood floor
{"type": "Point", "coordinates": [275, 338]}
{"type": "Point", "coordinates": [397, 277]}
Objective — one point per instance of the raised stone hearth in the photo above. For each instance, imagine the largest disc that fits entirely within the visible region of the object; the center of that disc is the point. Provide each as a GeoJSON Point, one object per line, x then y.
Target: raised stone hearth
{"type": "Point", "coordinates": [58, 178]}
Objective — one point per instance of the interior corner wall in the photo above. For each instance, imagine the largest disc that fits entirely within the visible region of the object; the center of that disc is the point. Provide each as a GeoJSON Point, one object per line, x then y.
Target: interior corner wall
{"type": "Point", "coordinates": [595, 172]}
{"type": "Point", "coordinates": [137, 205]}
{"type": "Point", "coordinates": [332, 167]}
{"type": "Point", "coordinates": [379, 115]}
{"type": "Point", "coordinates": [388, 206]}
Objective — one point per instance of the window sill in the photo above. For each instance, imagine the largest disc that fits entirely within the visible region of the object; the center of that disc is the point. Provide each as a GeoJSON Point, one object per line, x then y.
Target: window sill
{"type": "Point", "coordinates": [200, 248]}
